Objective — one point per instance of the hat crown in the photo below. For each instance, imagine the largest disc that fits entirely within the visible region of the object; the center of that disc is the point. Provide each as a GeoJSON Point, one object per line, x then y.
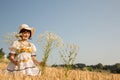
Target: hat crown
{"type": "Point", "coordinates": [24, 26]}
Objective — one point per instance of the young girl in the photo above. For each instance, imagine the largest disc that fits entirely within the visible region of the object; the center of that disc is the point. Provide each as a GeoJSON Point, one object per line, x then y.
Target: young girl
{"type": "Point", "coordinates": [22, 53]}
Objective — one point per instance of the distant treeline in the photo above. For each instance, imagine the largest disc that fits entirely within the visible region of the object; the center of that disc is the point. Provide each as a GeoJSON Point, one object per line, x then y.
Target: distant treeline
{"type": "Point", "coordinates": [99, 67]}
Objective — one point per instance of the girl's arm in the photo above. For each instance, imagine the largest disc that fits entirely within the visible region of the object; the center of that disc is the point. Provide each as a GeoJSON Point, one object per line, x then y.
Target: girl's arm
{"type": "Point", "coordinates": [12, 58]}
{"type": "Point", "coordinates": [35, 60]}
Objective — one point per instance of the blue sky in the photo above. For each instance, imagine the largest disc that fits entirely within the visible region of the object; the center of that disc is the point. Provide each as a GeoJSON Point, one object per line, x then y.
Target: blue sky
{"type": "Point", "coordinates": [92, 24]}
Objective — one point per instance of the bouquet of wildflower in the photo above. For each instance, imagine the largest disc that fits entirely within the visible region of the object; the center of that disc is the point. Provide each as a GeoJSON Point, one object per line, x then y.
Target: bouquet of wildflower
{"type": "Point", "coordinates": [48, 41]}
{"type": "Point", "coordinates": [10, 37]}
{"type": "Point", "coordinates": [68, 54]}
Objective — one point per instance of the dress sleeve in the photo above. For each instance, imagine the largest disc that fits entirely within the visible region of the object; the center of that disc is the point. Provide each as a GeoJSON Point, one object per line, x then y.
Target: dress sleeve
{"type": "Point", "coordinates": [33, 49]}
{"type": "Point", "coordinates": [13, 47]}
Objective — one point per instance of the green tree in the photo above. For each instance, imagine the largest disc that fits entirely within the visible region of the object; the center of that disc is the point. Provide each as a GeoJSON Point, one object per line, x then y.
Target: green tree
{"type": "Point", "coordinates": [116, 68]}
{"type": "Point", "coordinates": [1, 53]}
{"type": "Point", "coordinates": [99, 66]}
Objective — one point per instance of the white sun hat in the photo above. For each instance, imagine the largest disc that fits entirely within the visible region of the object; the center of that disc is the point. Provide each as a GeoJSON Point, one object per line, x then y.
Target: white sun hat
{"type": "Point", "coordinates": [25, 26]}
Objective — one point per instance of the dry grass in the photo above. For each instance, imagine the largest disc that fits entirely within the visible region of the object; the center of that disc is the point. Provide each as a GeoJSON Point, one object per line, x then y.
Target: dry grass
{"type": "Point", "coordinates": [58, 74]}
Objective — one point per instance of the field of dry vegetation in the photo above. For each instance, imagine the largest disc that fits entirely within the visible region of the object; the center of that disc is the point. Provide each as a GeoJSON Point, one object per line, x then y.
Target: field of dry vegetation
{"type": "Point", "coordinates": [58, 74]}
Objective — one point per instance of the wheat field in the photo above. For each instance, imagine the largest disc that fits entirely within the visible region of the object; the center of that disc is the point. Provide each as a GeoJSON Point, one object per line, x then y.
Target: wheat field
{"type": "Point", "coordinates": [52, 73]}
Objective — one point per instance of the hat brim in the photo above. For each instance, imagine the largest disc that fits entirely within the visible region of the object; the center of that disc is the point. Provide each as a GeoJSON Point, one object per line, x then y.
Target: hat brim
{"type": "Point", "coordinates": [31, 29]}
{"type": "Point", "coordinates": [25, 26]}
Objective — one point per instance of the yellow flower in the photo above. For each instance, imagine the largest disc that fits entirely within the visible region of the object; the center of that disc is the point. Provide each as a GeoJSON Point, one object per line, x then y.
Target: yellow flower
{"type": "Point", "coordinates": [25, 60]}
{"type": "Point", "coordinates": [24, 49]}
{"type": "Point", "coordinates": [29, 50]}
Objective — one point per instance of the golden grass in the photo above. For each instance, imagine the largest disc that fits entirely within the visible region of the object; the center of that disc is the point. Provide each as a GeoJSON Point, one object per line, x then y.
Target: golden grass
{"type": "Point", "coordinates": [58, 74]}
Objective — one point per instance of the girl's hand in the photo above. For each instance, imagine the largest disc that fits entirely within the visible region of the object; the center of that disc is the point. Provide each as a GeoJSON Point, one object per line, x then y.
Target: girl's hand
{"type": "Point", "coordinates": [16, 62]}
{"type": "Point", "coordinates": [42, 63]}
{"type": "Point", "coordinates": [12, 59]}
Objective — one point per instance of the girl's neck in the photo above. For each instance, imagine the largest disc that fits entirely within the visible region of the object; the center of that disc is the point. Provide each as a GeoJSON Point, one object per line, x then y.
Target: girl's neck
{"type": "Point", "coordinates": [24, 40]}
{"type": "Point", "coordinates": [25, 43]}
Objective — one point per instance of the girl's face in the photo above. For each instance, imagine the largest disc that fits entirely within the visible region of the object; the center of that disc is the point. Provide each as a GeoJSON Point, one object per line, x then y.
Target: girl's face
{"type": "Point", "coordinates": [25, 35]}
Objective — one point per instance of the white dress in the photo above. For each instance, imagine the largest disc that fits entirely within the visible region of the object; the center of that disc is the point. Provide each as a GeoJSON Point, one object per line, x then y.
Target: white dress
{"type": "Point", "coordinates": [23, 55]}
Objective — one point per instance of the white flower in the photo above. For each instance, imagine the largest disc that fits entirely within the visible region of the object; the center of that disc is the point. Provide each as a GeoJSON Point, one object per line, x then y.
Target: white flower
{"type": "Point", "coordinates": [50, 38]}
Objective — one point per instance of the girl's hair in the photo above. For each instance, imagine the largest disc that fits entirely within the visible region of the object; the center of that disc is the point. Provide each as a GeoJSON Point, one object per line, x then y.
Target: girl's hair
{"type": "Point", "coordinates": [25, 30]}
